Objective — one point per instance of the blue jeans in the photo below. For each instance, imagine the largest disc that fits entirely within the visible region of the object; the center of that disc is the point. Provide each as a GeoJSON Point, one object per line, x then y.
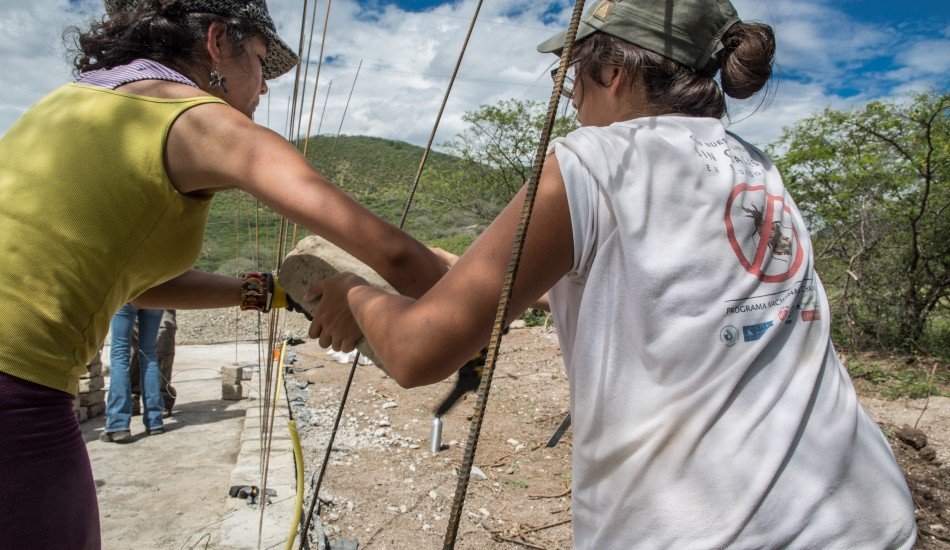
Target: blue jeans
{"type": "Point", "coordinates": [119, 404]}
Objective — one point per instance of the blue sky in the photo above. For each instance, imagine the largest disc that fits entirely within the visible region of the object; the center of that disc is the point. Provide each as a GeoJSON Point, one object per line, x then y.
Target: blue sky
{"type": "Point", "coordinates": [831, 53]}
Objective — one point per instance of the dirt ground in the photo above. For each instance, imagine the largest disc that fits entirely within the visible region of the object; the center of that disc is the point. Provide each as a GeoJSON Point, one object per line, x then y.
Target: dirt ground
{"type": "Point", "coordinates": [387, 491]}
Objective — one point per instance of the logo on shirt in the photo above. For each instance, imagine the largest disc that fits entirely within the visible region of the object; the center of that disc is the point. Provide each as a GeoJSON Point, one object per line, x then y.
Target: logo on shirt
{"type": "Point", "coordinates": [729, 335]}
{"type": "Point", "coordinates": [783, 314]}
{"type": "Point", "coordinates": [750, 333]}
{"type": "Point", "coordinates": [809, 315]}
{"type": "Point", "coordinates": [761, 229]}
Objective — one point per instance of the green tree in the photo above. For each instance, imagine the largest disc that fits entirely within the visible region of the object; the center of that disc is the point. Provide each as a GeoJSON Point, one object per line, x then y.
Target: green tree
{"type": "Point", "coordinates": [873, 185]}
{"type": "Point", "coordinates": [497, 148]}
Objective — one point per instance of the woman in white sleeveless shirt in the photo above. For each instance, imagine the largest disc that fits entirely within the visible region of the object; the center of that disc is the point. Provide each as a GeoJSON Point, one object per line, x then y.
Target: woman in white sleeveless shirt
{"type": "Point", "coordinates": [710, 409]}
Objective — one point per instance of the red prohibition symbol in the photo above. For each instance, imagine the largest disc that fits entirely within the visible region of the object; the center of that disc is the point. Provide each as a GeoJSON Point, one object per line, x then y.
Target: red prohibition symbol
{"type": "Point", "coordinates": [772, 243]}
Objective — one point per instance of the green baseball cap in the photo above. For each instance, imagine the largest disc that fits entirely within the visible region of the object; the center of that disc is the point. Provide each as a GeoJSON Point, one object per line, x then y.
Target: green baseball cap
{"type": "Point", "coordinates": [280, 58]}
{"type": "Point", "coordinates": [686, 31]}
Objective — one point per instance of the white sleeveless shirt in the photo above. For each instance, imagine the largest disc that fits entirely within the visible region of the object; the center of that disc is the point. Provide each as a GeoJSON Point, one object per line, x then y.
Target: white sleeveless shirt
{"type": "Point", "coordinates": [709, 407]}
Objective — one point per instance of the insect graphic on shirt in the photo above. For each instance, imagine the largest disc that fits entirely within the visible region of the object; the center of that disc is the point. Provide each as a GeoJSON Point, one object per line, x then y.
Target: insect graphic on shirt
{"type": "Point", "coordinates": [779, 244]}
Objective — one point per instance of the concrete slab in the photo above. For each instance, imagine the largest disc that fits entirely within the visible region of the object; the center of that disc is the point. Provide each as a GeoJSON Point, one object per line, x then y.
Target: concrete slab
{"type": "Point", "coordinates": [170, 490]}
{"type": "Point", "coordinates": [240, 527]}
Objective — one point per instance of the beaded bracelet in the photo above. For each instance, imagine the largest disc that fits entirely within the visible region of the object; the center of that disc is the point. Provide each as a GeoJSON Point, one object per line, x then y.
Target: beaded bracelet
{"type": "Point", "coordinates": [256, 288]}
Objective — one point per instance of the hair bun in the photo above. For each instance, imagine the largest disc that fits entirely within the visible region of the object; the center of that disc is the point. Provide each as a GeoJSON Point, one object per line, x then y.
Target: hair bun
{"type": "Point", "coordinates": [746, 58]}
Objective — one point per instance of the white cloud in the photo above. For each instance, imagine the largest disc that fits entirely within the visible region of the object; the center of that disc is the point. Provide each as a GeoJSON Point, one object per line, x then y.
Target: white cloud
{"type": "Point", "coordinates": [32, 57]}
{"type": "Point", "coordinates": [408, 56]}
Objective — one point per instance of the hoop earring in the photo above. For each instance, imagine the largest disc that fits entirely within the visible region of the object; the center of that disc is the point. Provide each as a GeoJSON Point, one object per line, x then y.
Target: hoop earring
{"type": "Point", "coordinates": [218, 79]}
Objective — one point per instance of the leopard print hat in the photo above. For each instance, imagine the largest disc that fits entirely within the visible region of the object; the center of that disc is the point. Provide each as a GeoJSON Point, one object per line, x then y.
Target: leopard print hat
{"type": "Point", "coordinates": [280, 58]}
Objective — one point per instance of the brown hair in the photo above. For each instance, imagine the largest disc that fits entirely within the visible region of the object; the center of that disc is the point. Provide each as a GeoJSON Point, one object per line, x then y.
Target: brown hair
{"type": "Point", "coordinates": [160, 30]}
{"type": "Point", "coordinates": [745, 61]}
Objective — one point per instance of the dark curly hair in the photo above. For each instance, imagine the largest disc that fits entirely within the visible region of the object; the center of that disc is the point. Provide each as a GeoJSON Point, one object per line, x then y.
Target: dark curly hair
{"type": "Point", "coordinates": [745, 61]}
{"type": "Point", "coordinates": [160, 30]}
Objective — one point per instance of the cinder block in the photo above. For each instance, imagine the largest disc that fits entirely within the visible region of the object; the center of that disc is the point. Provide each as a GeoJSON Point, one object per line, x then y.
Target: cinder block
{"type": "Point", "coordinates": [95, 410]}
{"type": "Point", "coordinates": [86, 399]}
{"type": "Point", "coordinates": [232, 374]}
{"type": "Point", "coordinates": [231, 392]}
{"type": "Point", "coordinates": [87, 385]}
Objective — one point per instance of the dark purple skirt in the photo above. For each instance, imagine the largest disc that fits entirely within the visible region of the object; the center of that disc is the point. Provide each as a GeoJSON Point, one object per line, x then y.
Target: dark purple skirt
{"type": "Point", "coordinates": [47, 492]}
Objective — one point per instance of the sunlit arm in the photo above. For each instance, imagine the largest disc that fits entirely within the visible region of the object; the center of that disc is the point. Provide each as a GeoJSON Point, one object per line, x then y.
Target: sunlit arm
{"type": "Point", "coordinates": [213, 147]}
{"type": "Point", "coordinates": [192, 289]}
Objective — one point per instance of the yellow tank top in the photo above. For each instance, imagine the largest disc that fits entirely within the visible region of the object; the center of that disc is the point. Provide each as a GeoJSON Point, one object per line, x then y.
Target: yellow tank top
{"type": "Point", "coordinates": [88, 221]}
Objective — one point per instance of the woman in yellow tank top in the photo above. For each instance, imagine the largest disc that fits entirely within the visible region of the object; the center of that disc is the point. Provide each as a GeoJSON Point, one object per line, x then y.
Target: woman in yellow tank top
{"type": "Point", "coordinates": [104, 191]}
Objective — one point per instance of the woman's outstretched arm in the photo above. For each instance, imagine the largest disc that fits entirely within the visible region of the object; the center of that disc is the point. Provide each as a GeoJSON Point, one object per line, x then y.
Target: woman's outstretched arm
{"type": "Point", "coordinates": [424, 341]}
{"type": "Point", "coordinates": [192, 289]}
{"type": "Point", "coordinates": [213, 147]}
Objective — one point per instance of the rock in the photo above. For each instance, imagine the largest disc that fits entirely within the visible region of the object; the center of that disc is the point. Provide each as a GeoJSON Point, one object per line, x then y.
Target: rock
{"type": "Point", "coordinates": [433, 495]}
{"type": "Point", "coordinates": [95, 410]}
{"type": "Point", "coordinates": [514, 442]}
{"type": "Point", "coordinates": [388, 405]}
{"type": "Point", "coordinates": [344, 544]}
{"type": "Point", "coordinates": [94, 368]}
{"type": "Point", "coordinates": [483, 512]}
{"type": "Point", "coordinates": [912, 436]}
{"type": "Point", "coordinates": [87, 385]}
{"type": "Point", "coordinates": [315, 259]}
{"type": "Point", "coordinates": [82, 415]}
{"type": "Point", "coordinates": [478, 474]}
{"type": "Point", "coordinates": [928, 453]}
{"type": "Point", "coordinates": [86, 399]}
{"type": "Point", "coordinates": [518, 323]}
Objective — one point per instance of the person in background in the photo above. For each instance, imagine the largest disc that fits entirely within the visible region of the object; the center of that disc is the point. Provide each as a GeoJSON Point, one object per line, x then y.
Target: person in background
{"type": "Point", "coordinates": [119, 402]}
{"type": "Point", "coordinates": [709, 407]}
{"type": "Point", "coordinates": [165, 351]}
{"type": "Point", "coordinates": [105, 188]}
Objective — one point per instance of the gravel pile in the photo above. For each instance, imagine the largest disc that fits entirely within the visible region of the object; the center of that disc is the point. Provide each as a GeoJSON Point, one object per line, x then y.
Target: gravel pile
{"type": "Point", "coordinates": [215, 326]}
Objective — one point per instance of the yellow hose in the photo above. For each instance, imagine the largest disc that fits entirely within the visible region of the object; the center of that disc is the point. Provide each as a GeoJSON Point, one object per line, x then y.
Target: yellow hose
{"type": "Point", "coordinates": [298, 506]}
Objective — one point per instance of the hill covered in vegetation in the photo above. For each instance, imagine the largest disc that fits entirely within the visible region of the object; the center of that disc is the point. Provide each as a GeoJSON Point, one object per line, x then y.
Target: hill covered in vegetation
{"type": "Point", "coordinates": [242, 234]}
